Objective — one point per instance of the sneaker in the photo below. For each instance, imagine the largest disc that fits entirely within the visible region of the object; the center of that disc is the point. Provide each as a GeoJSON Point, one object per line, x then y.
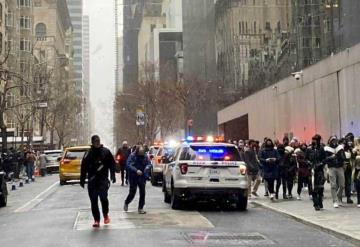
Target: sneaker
{"type": "Point", "coordinates": [285, 197]}
{"type": "Point", "coordinates": [298, 198]}
{"type": "Point", "coordinates": [126, 207]}
{"type": "Point", "coordinates": [358, 205]}
{"type": "Point", "coordinates": [317, 208]}
{"type": "Point", "coordinates": [266, 194]}
{"type": "Point", "coordinates": [271, 197]}
{"type": "Point", "coordinates": [106, 220]}
{"type": "Point", "coordinates": [96, 224]}
{"type": "Point", "coordinates": [349, 201]}
{"type": "Point", "coordinates": [141, 211]}
{"type": "Point", "coordinates": [255, 194]}
{"type": "Point", "coordinates": [340, 204]}
{"type": "Point", "coordinates": [336, 205]}
{"type": "Point", "coordinates": [290, 196]}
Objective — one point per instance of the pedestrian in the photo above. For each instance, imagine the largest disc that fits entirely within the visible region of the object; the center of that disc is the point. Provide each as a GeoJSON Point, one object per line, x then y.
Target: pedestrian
{"type": "Point", "coordinates": [43, 162]}
{"type": "Point", "coordinates": [138, 164]}
{"type": "Point", "coordinates": [303, 168]}
{"type": "Point", "coordinates": [123, 153]}
{"type": "Point", "coordinates": [283, 172]}
{"type": "Point", "coordinates": [316, 155]}
{"type": "Point", "coordinates": [348, 167]}
{"type": "Point", "coordinates": [241, 146]}
{"type": "Point", "coordinates": [335, 157]}
{"type": "Point", "coordinates": [290, 165]}
{"type": "Point", "coordinates": [269, 158]}
{"type": "Point", "coordinates": [30, 165]}
{"type": "Point", "coordinates": [253, 168]}
{"type": "Point", "coordinates": [356, 152]}
{"type": "Point", "coordinates": [96, 165]}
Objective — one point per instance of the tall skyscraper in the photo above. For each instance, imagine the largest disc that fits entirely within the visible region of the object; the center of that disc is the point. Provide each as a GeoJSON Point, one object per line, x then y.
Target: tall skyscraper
{"type": "Point", "coordinates": [119, 45]}
{"type": "Point", "coordinates": [86, 73]}
{"type": "Point", "coordinates": [76, 15]}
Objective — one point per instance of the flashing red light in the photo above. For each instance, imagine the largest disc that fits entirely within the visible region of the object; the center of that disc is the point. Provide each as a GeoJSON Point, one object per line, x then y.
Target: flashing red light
{"type": "Point", "coordinates": [118, 157]}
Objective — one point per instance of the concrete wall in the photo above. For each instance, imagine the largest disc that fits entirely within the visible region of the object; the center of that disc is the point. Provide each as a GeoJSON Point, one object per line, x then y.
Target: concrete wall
{"type": "Point", "coordinates": [326, 100]}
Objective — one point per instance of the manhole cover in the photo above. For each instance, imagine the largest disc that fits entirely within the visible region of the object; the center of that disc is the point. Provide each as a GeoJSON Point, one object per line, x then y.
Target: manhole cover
{"type": "Point", "coordinates": [227, 238]}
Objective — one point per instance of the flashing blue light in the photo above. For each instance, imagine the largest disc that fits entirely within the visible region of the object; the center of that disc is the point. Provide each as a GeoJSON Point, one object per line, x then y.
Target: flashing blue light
{"type": "Point", "coordinates": [211, 151]}
{"type": "Point", "coordinates": [190, 138]}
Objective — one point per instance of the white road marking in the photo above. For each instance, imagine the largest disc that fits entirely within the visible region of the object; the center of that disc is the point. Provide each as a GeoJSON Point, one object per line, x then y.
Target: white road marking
{"type": "Point", "coordinates": [32, 203]}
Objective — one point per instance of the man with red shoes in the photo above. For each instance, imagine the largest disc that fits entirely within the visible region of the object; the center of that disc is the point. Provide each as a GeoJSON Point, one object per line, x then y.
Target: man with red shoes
{"type": "Point", "coordinates": [96, 165]}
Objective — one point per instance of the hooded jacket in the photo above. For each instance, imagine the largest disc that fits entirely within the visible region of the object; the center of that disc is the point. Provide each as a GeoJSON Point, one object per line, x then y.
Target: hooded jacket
{"type": "Point", "coordinates": [270, 167]}
{"type": "Point", "coordinates": [335, 155]}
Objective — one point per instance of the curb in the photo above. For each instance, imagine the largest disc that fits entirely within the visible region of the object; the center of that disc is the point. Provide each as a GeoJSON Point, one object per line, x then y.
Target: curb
{"type": "Point", "coordinates": [336, 233]}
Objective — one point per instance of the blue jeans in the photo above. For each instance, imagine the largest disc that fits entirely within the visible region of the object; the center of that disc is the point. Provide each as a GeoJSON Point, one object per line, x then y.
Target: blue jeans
{"type": "Point", "coordinates": [30, 170]}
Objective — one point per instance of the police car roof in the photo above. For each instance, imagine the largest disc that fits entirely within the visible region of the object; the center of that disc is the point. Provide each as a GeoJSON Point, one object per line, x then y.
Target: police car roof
{"type": "Point", "coordinates": [210, 144]}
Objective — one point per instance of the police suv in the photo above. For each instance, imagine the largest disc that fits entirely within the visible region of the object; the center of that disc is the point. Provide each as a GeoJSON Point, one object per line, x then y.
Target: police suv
{"type": "Point", "coordinates": [205, 171]}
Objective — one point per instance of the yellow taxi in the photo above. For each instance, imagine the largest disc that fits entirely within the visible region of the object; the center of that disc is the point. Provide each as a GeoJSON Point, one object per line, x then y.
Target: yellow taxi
{"type": "Point", "coordinates": [70, 163]}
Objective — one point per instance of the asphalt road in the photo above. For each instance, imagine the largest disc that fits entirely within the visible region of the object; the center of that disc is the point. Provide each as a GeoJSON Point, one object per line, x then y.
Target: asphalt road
{"type": "Point", "coordinates": [47, 214]}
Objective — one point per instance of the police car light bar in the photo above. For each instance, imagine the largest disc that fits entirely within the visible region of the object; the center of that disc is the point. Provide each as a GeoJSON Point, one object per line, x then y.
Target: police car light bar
{"type": "Point", "coordinates": [203, 139]}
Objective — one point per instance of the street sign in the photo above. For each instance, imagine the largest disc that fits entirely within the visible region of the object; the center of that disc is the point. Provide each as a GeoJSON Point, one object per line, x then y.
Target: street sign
{"type": "Point", "coordinates": [140, 117]}
{"type": "Point", "coordinates": [43, 105]}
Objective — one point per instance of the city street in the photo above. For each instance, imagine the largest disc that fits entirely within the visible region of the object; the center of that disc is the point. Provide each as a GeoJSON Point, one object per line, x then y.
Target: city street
{"type": "Point", "coordinates": [47, 214]}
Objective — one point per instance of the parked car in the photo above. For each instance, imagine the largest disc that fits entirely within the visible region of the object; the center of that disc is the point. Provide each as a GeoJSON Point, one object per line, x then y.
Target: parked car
{"type": "Point", "coordinates": [70, 163]}
{"type": "Point", "coordinates": [52, 163]}
{"type": "Point", "coordinates": [206, 171]}
{"type": "Point", "coordinates": [162, 156]}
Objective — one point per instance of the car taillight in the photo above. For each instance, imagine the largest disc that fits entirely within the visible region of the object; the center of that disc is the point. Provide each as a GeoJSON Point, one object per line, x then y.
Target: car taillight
{"type": "Point", "coordinates": [242, 170]}
{"type": "Point", "coordinates": [227, 158]}
{"type": "Point", "coordinates": [184, 168]}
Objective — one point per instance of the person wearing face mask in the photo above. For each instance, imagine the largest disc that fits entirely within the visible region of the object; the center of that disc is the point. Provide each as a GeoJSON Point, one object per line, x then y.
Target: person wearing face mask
{"type": "Point", "coordinates": [316, 155]}
{"type": "Point", "coordinates": [335, 157]}
{"type": "Point", "coordinates": [96, 165]}
{"type": "Point", "coordinates": [138, 165]}
{"type": "Point", "coordinates": [269, 158]}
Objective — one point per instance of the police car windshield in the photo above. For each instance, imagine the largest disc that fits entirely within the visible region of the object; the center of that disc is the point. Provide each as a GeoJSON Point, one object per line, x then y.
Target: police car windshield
{"type": "Point", "coordinates": [210, 153]}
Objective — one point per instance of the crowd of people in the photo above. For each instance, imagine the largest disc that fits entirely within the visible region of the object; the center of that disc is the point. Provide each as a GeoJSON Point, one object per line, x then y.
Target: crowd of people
{"type": "Point", "coordinates": [282, 164]}
{"type": "Point", "coordinates": [18, 164]}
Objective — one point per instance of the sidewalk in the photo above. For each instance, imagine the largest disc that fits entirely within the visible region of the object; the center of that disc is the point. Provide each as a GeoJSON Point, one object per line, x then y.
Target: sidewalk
{"type": "Point", "coordinates": [343, 222]}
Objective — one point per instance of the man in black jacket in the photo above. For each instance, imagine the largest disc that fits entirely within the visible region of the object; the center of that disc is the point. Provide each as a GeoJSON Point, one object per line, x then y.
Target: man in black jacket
{"type": "Point", "coordinates": [96, 164]}
{"type": "Point", "coordinates": [316, 155]}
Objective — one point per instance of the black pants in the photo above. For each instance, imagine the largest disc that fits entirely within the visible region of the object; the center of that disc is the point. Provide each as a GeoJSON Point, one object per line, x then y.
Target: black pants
{"type": "Point", "coordinates": [282, 180]}
{"type": "Point", "coordinates": [357, 185]}
{"type": "Point", "coordinates": [134, 183]}
{"type": "Point", "coordinates": [348, 174]}
{"type": "Point", "coordinates": [290, 184]}
{"type": "Point", "coordinates": [271, 182]}
{"type": "Point", "coordinates": [302, 181]}
{"type": "Point", "coordinates": [318, 191]}
{"type": "Point", "coordinates": [94, 194]}
{"type": "Point", "coordinates": [123, 175]}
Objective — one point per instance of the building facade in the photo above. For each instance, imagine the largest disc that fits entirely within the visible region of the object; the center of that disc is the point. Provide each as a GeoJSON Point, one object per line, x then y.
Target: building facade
{"type": "Point", "coordinates": [86, 75]}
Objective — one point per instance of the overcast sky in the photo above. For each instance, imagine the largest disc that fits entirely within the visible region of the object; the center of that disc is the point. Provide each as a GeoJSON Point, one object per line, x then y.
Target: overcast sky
{"type": "Point", "coordinates": [102, 59]}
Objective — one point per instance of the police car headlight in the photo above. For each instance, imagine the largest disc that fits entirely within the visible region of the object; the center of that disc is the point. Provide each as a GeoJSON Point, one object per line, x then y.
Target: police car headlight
{"type": "Point", "coordinates": [242, 170]}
